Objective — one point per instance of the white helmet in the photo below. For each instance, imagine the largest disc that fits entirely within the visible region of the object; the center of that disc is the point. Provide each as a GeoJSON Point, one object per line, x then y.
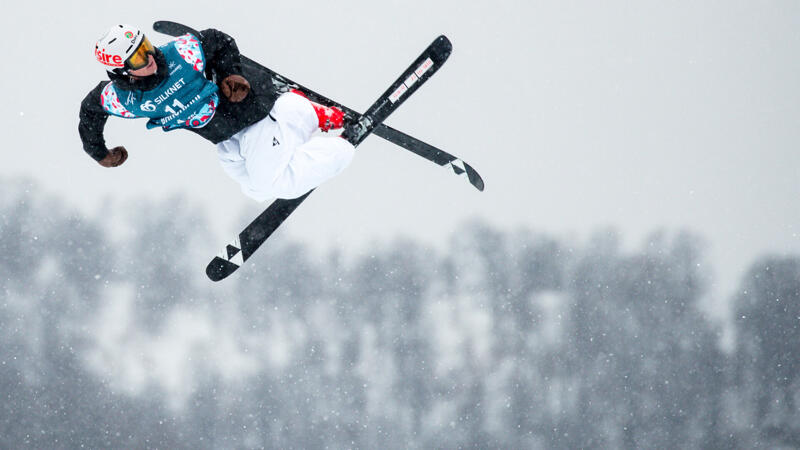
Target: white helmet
{"type": "Point", "coordinates": [123, 47]}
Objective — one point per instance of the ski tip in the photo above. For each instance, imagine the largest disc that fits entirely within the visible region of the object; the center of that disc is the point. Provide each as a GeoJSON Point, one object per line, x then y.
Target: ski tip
{"type": "Point", "coordinates": [219, 269]}
{"type": "Point", "coordinates": [159, 25]}
{"type": "Point", "coordinates": [171, 28]}
{"type": "Point", "coordinates": [442, 47]}
{"type": "Point", "coordinates": [474, 178]}
{"type": "Point", "coordinates": [477, 182]}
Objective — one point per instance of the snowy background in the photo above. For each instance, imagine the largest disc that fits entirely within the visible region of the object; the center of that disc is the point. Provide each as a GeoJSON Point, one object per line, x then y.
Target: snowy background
{"type": "Point", "coordinates": [629, 278]}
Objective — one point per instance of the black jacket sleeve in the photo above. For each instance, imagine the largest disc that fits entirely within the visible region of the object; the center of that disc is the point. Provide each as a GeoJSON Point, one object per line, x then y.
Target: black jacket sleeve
{"type": "Point", "coordinates": [221, 53]}
{"type": "Point", "coordinates": [92, 122]}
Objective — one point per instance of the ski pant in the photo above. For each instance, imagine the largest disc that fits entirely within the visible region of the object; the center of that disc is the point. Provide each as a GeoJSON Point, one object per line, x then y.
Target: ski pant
{"type": "Point", "coordinates": [277, 157]}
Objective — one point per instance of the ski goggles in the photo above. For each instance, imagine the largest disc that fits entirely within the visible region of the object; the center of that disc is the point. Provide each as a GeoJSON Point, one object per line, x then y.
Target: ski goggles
{"type": "Point", "coordinates": [139, 60]}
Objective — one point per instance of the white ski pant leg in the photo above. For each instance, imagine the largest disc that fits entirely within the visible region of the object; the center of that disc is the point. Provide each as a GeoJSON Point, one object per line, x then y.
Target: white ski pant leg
{"type": "Point", "coordinates": [279, 158]}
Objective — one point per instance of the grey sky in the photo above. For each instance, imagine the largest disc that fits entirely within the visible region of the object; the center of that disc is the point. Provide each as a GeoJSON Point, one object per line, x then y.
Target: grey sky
{"type": "Point", "coordinates": [578, 115]}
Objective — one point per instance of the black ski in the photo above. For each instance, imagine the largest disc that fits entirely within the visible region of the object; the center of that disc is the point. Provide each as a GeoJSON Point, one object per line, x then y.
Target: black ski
{"type": "Point", "coordinates": [410, 143]}
{"type": "Point", "coordinates": [251, 238]}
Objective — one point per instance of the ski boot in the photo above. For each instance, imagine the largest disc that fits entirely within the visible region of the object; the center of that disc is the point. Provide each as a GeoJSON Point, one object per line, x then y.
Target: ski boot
{"type": "Point", "coordinates": [330, 117]}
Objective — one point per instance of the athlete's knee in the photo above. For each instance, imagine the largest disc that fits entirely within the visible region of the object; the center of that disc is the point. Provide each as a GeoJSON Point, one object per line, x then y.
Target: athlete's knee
{"type": "Point", "coordinates": [291, 103]}
{"type": "Point", "coordinates": [294, 108]}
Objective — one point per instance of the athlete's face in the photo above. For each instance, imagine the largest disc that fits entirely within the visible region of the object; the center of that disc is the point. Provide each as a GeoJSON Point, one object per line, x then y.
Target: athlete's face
{"type": "Point", "coordinates": [147, 70]}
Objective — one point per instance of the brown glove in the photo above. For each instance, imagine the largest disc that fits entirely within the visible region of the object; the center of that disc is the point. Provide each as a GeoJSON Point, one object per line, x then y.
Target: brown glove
{"type": "Point", "coordinates": [235, 88]}
{"type": "Point", "coordinates": [115, 157]}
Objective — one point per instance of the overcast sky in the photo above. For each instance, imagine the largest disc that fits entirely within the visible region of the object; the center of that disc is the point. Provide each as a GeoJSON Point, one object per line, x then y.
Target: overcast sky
{"type": "Point", "coordinates": [578, 115]}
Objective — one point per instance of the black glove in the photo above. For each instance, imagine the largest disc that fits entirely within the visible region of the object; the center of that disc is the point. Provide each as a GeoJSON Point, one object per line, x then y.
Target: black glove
{"type": "Point", "coordinates": [235, 88]}
{"type": "Point", "coordinates": [115, 157]}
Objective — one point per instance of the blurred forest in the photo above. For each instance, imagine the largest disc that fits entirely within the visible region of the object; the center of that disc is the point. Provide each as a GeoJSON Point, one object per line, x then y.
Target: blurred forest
{"type": "Point", "coordinates": [508, 339]}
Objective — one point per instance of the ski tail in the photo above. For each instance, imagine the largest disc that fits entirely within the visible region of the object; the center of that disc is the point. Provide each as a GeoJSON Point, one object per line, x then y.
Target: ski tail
{"type": "Point", "coordinates": [248, 241]}
{"type": "Point", "coordinates": [431, 153]}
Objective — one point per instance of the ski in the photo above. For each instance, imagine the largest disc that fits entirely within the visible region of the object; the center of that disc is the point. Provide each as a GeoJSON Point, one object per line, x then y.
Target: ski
{"type": "Point", "coordinates": [251, 238]}
{"type": "Point", "coordinates": [410, 143]}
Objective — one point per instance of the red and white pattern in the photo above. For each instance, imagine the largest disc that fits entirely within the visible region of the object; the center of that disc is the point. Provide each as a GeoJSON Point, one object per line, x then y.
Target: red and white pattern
{"type": "Point", "coordinates": [189, 48]}
{"type": "Point", "coordinates": [111, 103]}
{"type": "Point", "coordinates": [202, 117]}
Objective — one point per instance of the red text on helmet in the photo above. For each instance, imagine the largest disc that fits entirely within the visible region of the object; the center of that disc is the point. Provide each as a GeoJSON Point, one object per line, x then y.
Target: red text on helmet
{"type": "Point", "coordinates": [109, 60]}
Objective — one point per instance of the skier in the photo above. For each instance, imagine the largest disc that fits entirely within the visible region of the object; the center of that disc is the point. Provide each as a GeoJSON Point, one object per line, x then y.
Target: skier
{"type": "Point", "coordinates": [264, 137]}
